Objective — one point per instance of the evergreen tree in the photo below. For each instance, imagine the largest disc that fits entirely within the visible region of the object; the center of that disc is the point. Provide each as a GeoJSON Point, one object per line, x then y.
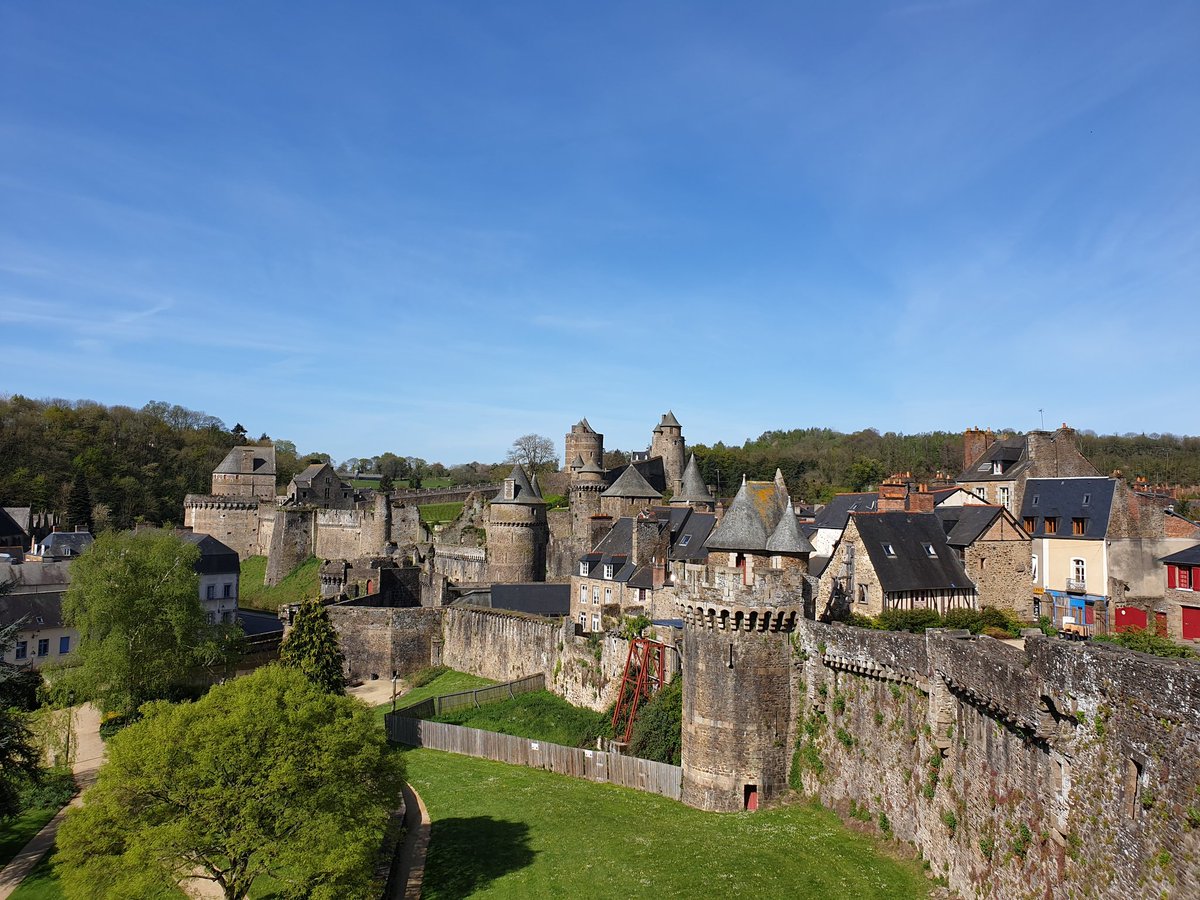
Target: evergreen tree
{"type": "Point", "coordinates": [79, 503]}
{"type": "Point", "coordinates": [312, 648]}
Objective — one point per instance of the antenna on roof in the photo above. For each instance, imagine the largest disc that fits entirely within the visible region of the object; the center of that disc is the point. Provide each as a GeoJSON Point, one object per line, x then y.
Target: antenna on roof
{"type": "Point", "coordinates": [1042, 413]}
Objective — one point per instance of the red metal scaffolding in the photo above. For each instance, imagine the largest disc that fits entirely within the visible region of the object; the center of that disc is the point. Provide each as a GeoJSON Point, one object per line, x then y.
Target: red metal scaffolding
{"type": "Point", "coordinates": [644, 672]}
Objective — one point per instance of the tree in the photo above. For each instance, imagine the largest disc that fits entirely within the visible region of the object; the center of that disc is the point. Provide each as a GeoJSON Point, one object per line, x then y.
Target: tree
{"type": "Point", "coordinates": [18, 756]}
{"type": "Point", "coordinates": [312, 648]}
{"type": "Point", "coordinates": [79, 503]}
{"type": "Point", "coordinates": [135, 598]}
{"type": "Point", "coordinates": [264, 776]}
{"type": "Point", "coordinates": [534, 452]}
{"type": "Point", "coordinates": [385, 482]}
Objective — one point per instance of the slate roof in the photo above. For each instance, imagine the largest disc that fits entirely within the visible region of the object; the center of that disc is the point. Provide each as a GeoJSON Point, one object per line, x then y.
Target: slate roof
{"type": "Point", "coordinates": [35, 577]}
{"type": "Point", "coordinates": [258, 623]}
{"type": "Point", "coordinates": [687, 542]}
{"type": "Point", "coordinates": [669, 421]}
{"type": "Point", "coordinates": [215, 558]}
{"type": "Point", "coordinates": [11, 530]}
{"type": "Point", "coordinates": [590, 466]}
{"type": "Point", "coordinates": [836, 513]}
{"type": "Point", "coordinates": [911, 568]}
{"type": "Point", "coordinates": [694, 490]}
{"type": "Point", "coordinates": [964, 524]}
{"type": "Point", "coordinates": [787, 537]}
{"type": "Point", "coordinates": [1188, 557]}
{"type": "Point", "coordinates": [309, 473]}
{"type": "Point", "coordinates": [32, 607]}
{"type": "Point", "coordinates": [523, 492]}
{"type": "Point", "coordinates": [22, 516]}
{"type": "Point", "coordinates": [249, 460]}
{"type": "Point", "coordinates": [1063, 499]}
{"type": "Point", "coordinates": [1009, 452]}
{"type": "Point", "coordinates": [65, 543]}
{"type": "Point", "coordinates": [577, 462]}
{"type": "Point", "coordinates": [751, 518]}
{"type": "Point", "coordinates": [538, 599]}
{"type": "Point", "coordinates": [584, 426]}
{"type": "Point", "coordinates": [631, 485]}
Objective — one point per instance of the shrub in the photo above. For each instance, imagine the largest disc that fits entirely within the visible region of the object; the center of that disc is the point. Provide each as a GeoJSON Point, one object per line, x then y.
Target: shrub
{"type": "Point", "coordinates": [1047, 626]}
{"type": "Point", "coordinates": [950, 820]}
{"type": "Point", "coordinates": [52, 789]}
{"type": "Point", "coordinates": [658, 729]}
{"type": "Point", "coordinates": [885, 824]}
{"type": "Point", "coordinates": [860, 621]}
{"type": "Point", "coordinates": [913, 620]}
{"type": "Point", "coordinates": [1146, 642]}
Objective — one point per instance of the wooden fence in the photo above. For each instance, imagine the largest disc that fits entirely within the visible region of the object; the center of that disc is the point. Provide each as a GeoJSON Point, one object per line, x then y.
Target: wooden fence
{"type": "Point", "coordinates": [594, 765]}
{"type": "Point", "coordinates": [435, 706]}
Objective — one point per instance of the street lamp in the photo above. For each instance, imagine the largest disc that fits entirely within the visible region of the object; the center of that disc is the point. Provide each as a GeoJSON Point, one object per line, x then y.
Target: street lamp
{"type": "Point", "coordinates": [395, 678]}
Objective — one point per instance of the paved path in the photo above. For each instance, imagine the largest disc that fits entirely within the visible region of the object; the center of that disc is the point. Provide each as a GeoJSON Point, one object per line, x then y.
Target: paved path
{"type": "Point", "coordinates": [379, 691]}
{"type": "Point", "coordinates": [89, 754]}
{"type": "Point", "coordinates": [411, 861]}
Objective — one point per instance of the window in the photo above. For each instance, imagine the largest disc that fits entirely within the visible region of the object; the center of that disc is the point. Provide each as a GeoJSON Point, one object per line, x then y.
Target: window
{"type": "Point", "coordinates": [1005, 497]}
{"type": "Point", "coordinates": [862, 593]}
{"type": "Point", "coordinates": [608, 571]}
{"type": "Point", "coordinates": [595, 622]}
{"type": "Point", "coordinates": [1051, 526]}
{"type": "Point", "coordinates": [889, 551]}
{"type": "Point", "coordinates": [43, 646]}
{"type": "Point", "coordinates": [1078, 527]}
{"type": "Point", "coordinates": [685, 540]}
{"type": "Point", "coordinates": [1035, 500]}
{"type": "Point", "coordinates": [981, 492]}
{"type": "Point", "coordinates": [1185, 577]}
{"type": "Point", "coordinates": [583, 568]}
{"type": "Point", "coordinates": [1087, 499]}
{"type": "Point", "coordinates": [929, 551]}
{"type": "Point", "coordinates": [1033, 568]}
{"type": "Point", "coordinates": [596, 595]}
{"type": "Point", "coordinates": [1079, 569]}
{"type": "Point", "coordinates": [608, 595]}
{"type": "Point", "coordinates": [64, 644]}
{"type": "Point", "coordinates": [583, 621]}
{"type": "Point", "coordinates": [227, 590]}
{"type": "Point", "coordinates": [997, 467]}
{"type": "Point", "coordinates": [1031, 524]}
{"type": "Point", "coordinates": [210, 592]}
{"type": "Point", "coordinates": [22, 649]}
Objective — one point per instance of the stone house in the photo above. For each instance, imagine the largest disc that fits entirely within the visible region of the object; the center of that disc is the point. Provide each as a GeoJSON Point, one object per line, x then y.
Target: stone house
{"type": "Point", "coordinates": [1181, 616]}
{"type": "Point", "coordinates": [246, 472]}
{"type": "Point", "coordinates": [35, 600]}
{"type": "Point", "coordinates": [319, 485]}
{"type": "Point", "coordinates": [996, 469]}
{"type": "Point", "coordinates": [1096, 551]}
{"type": "Point", "coordinates": [994, 550]}
{"type": "Point", "coordinates": [61, 545]}
{"type": "Point", "coordinates": [894, 559]}
{"type": "Point", "coordinates": [219, 570]}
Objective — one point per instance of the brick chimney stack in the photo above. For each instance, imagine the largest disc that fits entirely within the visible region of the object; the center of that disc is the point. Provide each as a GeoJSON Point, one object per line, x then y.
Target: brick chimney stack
{"type": "Point", "coordinates": [920, 501]}
{"type": "Point", "coordinates": [892, 494]}
{"type": "Point", "coordinates": [975, 444]}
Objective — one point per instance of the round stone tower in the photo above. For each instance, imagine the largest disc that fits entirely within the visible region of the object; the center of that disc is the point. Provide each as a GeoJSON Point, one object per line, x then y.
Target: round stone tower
{"type": "Point", "coordinates": [736, 701]}
{"type": "Point", "coordinates": [668, 443]}
{"type": "Point", "coordinates": [585, 442]}
{"type": "Point", "coordinates": [587, 484]}
{"type": "Point", "coordinates": [517, 535]}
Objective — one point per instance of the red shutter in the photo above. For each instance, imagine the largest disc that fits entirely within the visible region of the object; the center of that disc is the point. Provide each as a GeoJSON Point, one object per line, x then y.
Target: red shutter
{"type": "Point", "coordinates": [1170, 576]}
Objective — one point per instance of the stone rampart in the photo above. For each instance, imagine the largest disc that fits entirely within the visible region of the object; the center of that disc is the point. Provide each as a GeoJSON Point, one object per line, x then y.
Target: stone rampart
{"type": "Point", "coordinates": [1057, 770]}
{"type": "Point", "coordinates": [462, 565]}
{"type": "Point", "coordinates": [234, 521]}
{"type": "Point", "coordinates": [379, 641]}
{"type": "Point", "coordinates": [446, 495]}
{"type": "Point", "coordinates": [292, 542]}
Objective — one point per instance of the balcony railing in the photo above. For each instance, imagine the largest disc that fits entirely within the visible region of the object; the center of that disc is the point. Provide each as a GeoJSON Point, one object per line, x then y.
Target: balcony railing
{"type": "Point", "coordinates": [1076, 586]}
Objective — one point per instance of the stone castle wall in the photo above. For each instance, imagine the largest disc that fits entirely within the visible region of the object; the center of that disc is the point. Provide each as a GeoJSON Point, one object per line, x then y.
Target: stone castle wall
{"type": "Point", "coordinates": [379, 641]}
{"type": "Point", "coordinates": [233, 521]}
{"type": "Point", "coordinates": [351, 533]}
{"type": "Point", "coordinates": [1059, 768]}
{"type": "Point", "coordinates": [462, 565]}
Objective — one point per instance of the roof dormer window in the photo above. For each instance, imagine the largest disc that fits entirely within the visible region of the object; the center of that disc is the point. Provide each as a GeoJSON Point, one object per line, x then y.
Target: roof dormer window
{"type": "Point", "coordinates": [583, 568]}
{"type": "Point", "coordinates": [1035, 500]}
{"type": "Point", "coordinates": [685, 540]}
{"type": "Point", "coordinates": [997, 467]}
{"type": "Point", "coordinates": [608, 571]}
{"type": "Point", "coordinates": [888, 550]}
{"type": "Point", "coordinates": [929, 551]}
{"type": "Point", "coordinates": [1087, 499]}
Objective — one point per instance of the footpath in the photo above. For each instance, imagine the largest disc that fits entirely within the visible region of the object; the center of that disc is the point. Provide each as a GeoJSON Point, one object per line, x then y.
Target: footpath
{"type": "Point", "coordinates": [89, 754]}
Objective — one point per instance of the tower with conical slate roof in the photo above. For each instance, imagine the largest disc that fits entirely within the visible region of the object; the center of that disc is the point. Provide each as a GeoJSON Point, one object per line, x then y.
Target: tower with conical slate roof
{"type": "Point", "coordinates": [694, 492]}
{"type": "Point", "coordinates": [737, 715]}
{"type": "Point", "coordinates": [585, 442]}
{"type": "Point", "coordinates": [517, 535]}
{"type": "Point", "coordinates": [628, 495]}
{"type": "Point", "coordinates": [587, 484]}
{"type": "Point", "coordinates": [667, 442]}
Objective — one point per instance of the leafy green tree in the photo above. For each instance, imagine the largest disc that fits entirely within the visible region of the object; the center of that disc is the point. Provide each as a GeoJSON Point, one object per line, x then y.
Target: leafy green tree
{"type": "Point", "coordinates": [865, 473]}
{"type": "Point", "coordinates": [18, 756]}
{"type": "Point", "coordinates": [264, 776]}
{"type": "Point", "coordinates": [135, 598]}
{"type": "Point", "coordinates": [658, 730]}
{"type": "Point", "coordinates": [312, 648]}
{"type": "Point", "coordinates": [385, 482]}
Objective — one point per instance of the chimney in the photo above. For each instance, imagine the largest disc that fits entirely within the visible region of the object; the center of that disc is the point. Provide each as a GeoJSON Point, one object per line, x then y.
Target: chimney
{"type": "Point", "coordinates": [920, 501]}
{"type": "Point", "coordinates": [598, 527]}
{"type": "Point", "coordinates": [892, 495]}
{"type": "Point", "coordinates": [975, 444]}
{"type": "Point", "coordinates": [644, 541]}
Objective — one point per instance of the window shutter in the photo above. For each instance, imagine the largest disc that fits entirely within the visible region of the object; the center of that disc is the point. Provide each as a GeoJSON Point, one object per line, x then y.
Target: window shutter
{"type": "Point", "coordinates": [1170, 576]}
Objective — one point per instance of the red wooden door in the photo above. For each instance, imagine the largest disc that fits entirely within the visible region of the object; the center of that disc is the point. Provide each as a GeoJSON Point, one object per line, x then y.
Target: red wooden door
{"type": "Point", "coordinates": [1130, 617]}
{"type": "Point", "coordinates": [1191, 623]}
{"type": "Point", "coordinates": [1160, 624]}
{"type": "Point", "coordinates": [751, 798]}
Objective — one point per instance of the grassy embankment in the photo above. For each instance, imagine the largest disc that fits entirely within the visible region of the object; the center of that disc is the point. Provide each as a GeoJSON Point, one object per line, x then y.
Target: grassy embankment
{"type": "Point", "coordinates": [447, 681]}
{"type": "Point", "coordinates": [508, 831]}
{"type": "Point", "coordinates": [539, 716]}
{"type": "Point", "coordinates": [440, 513]}
{"type": "Point", "coordinates": [303, 583]}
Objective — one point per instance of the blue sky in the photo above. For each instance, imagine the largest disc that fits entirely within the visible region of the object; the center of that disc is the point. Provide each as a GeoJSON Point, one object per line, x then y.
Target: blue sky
{"type": "Point", "coordinates": [431, 227]}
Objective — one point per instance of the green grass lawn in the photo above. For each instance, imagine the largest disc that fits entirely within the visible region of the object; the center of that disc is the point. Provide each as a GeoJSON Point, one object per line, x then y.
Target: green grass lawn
{"type": "Point", "coordinates": [508, 831]}
{"type": "Point", "coordinates": [449, 682]}
{"type": "Point", "coordinates": [538, 715]}
{"type": "Point", "coordinates": [303, 583]}
{"type": "Point", "coordinates": [40, 884]}
{"type": "Point", "coordinates": [433, 513]}
{"type": "Point", "coordinates": [17, 831]}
